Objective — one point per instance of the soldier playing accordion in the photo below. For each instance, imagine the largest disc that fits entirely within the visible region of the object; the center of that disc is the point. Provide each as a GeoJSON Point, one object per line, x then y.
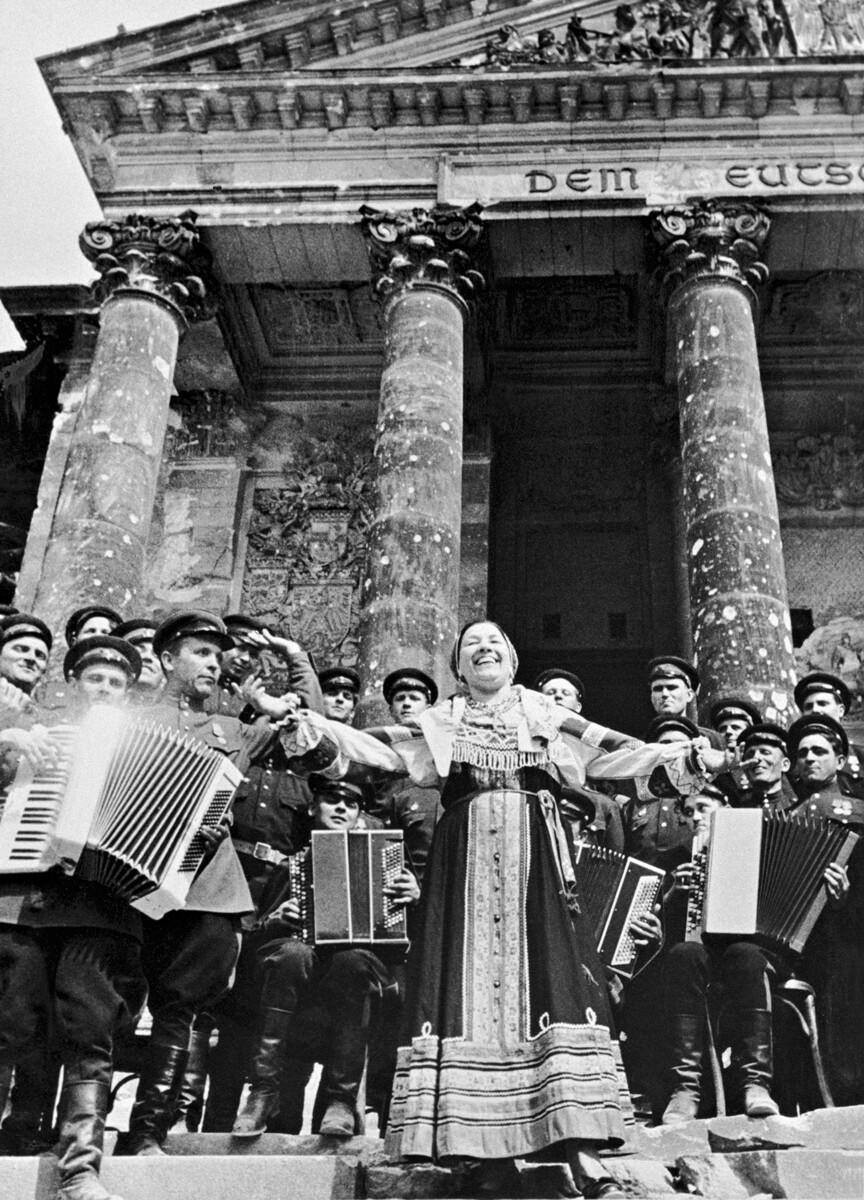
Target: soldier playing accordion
{"type": "Point", "coordinates": [295, 974]}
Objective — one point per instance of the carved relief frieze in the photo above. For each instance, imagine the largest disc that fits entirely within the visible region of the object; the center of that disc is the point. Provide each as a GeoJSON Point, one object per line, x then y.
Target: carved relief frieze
{"type": "Point", "coordinates": [205, 424]}
{"type": "Point", "coordinates": [300, 320]}
{"type": "Point", "coordinates": [828, 307]}
{"type": "Point", "coordinates": [573, 311]}
{"type": "Point", "coordinates": [825, 473]}
{"type": "Point", "coordinates": [307, 545]}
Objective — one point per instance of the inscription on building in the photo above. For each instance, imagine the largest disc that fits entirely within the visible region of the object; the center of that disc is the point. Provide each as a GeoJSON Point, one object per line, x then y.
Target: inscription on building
{"type": "Point", "coordinates": [463, 180]}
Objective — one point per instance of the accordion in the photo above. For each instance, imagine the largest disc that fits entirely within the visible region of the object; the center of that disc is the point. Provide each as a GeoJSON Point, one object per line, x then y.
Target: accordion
{"type": "Point", "coordinates": [760, 872]}
{"type": "Point", "coordinates": [615, 889]}
{"type": "Point", "coordinates": [122, 807]}
{"type": "Point", "coordinates": [340, 885]}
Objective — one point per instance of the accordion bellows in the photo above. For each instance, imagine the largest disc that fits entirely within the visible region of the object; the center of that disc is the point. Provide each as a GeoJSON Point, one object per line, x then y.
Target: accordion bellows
{"type": "Point", "coordinates": [123, 807]}
{"type": "Point", "coordinates": [762, 873]}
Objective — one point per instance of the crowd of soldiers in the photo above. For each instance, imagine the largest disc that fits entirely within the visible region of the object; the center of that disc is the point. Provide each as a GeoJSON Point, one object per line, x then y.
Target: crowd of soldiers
{"type": "Point", "coordinates": [235, 997]}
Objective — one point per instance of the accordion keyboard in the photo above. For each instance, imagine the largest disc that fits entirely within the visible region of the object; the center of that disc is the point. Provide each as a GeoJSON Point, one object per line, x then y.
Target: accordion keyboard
{"type": "Point", "coordinates": [644, 897]}
{"type": "Point", "coordinates": [391, 865]}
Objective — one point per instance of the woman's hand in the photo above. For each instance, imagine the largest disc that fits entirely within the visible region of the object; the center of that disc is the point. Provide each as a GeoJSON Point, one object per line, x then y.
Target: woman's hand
{"type": "Point", "coordinates": [404, 889]}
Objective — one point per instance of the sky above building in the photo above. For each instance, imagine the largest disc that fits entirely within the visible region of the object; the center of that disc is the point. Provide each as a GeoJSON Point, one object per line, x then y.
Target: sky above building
{"type": "Point", "coordinates": [45, 199]}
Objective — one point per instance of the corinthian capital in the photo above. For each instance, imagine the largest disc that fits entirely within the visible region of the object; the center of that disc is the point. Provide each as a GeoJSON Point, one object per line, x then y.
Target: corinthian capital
{"type": "Point", "coordinates": [435, 247]}
{"type": "Point", "coordinates": [160, 257]}
{"type": "Point", "coordinates": [712, 238]}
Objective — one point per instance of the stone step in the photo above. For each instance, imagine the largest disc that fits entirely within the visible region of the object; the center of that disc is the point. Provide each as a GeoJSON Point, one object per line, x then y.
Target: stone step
{"type": "Point", "coordinates": [204, 1177]}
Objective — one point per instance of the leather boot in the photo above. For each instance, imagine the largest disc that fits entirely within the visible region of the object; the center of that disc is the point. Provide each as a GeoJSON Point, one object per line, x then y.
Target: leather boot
{"type": "Point", "coordinates": [753, 1061]}
{"type": "Point", "coordinates": [688, 1034]}
{"type": "Point", "coordinates": [190, 1098]}
{"type": "Point", "coordinates": [83, 1107]}
{"type": "Point", "coordinates": [344, 1074]}
{"type": "Point", "coordinates": [228, 1066]}
{"type": "Point", "coordinates": [153, 1111]}
{"type": "Point", "coordinates": [265, 1077]}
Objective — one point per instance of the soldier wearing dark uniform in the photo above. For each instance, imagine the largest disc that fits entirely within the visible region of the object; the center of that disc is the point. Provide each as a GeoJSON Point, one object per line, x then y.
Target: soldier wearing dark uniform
{"type": "Point", "coordinates": [138, 632]}
{"type": "Point", "coordinates": [732, 716]}
{"type": "Point", "coordinates": [765, 763]}
{"type": "Point", "coordinates": [93, 620]}
{"type": "Point", "coordinates": [271, 821]}
{"type": "Point", "coordinates": [654, 826]}
{"type": "Point", "coordinates": [189, 955]}
{"type": "Point", "coordinates": [295, 974]}
{"type": "Point", "coordinates": [604, 827]}
{"type": "Point", "coordinates": [673, 684]}
{"type": "Point", "coordinates": [833, 960]}
{"type": "Point", "coordinates": [401, 804]}
{"type": "Point", "coordinates": [70, 955]}
{"type": "Point", "coordinates": [822, 692]}
{"type": "Point", "coordinates": [340, 687]}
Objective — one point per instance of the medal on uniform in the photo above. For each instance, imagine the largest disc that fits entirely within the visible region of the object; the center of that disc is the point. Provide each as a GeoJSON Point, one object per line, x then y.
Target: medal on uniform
{"type": "Point", "coordinates": [841, 808]}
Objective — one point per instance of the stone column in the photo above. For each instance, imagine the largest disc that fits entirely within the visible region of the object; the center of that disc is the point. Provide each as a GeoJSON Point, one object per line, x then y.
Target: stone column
{"type": "Point", "coordinates": [739, 610]}
{"type": "Point", "coordinates": [151, 282]}
{"type": "Point", "coordinates": [423, 270]}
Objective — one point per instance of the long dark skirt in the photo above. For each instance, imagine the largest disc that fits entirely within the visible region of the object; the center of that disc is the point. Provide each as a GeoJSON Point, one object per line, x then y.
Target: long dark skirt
{"type": "Point", "coordinates": [506, 1044]}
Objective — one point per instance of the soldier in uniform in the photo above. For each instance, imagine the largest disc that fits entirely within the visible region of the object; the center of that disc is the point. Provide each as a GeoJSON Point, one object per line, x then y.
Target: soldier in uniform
{"type": "Point", "coordinates": [402, 804]}
{"type": "Point", "coordinates": [765, 763]}
{"type": "Point", "coordinates": [673, 684]}
{"type": "Point", "coordinates": [341, 690]}
{"type": "Point", "coordinates": [189, 955]}
{"type": "Point", "coordinates": [833, 960]}
{"type": "Point", "coordinates": [294, 973]}
{"type": "Point", "coordinates": [567, 690]}
{"type": "Point", "coordinates": [91, 621]}
{"type": "Point", "coordinates": [70, 958]}
{"type": "Point", "coordinates": [654, 825]}
{"type": "Point", "coordinates": [822, 692]}
{"type": "Point", "coordinates": [138, 632]}
{"type": "Point", "coordinates": [25, 643]}
{"type": "Point", "coordinates": [732, 716]}
{"type": "Point", "coordinates": [271, 821]}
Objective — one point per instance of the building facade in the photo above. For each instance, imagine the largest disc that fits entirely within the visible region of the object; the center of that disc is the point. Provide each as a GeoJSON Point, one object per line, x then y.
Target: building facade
{"type": "Point", "coordinates": [421, 309]}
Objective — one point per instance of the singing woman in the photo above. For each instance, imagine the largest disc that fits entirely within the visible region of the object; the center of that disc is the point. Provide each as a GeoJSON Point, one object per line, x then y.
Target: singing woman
{"type": "Point", "coordinates": [508, 1047]}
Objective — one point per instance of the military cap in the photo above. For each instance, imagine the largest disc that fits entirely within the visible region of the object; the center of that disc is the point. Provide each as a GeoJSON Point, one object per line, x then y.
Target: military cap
{"type": "Point", "coordinates": [556, 673]}
{"type": "Point", "coordinates": [191, 623]}
{"type": "Point", "coordinates": [136, 629]}
{"type": "Point", "coordinates": [733, 706]}
{"type": "Point", "coordinates": [24, 625]}
{"type": "Point", "coordinates": [243, 628]}
{"type": "Point", "coordinates": [712, 791]}
{"type": "Point", "coordinates": [661, 725]}
{"type": "Point", "coordinates": [7, 610]}
{"type": "Point", "coordinates": [669, 666]}
{"type": "Point", "coordinates": [339, 677]}
{"type": "Point", "coordinates": [575, 803]}
{"type": "Point", "coordinates": [101, 648]}
{"type": "Point", "coordinates": [409, 677]}
{"type": "Point", "coordinates": [819, 723]}
{"type": "Point", "coordinates": [822, 681]}
{"type": "Point", "coordinates": [81, 615]}
{"type": "Point", "coordinates": [356, 786]}
{"type": "Point", "coordinates": [763, 734]}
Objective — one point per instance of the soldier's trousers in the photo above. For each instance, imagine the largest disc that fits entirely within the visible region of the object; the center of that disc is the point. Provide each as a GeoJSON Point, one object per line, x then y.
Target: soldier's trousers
{"type": "Point", "coordinates": [84, 984]}
{"type": "Point", "coordinates": [188, 958]}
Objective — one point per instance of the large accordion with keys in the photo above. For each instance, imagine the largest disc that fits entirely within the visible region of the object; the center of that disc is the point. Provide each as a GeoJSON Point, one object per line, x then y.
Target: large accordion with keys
{"type": "Point", "coordinates": [615, 889]}
{"type": "Point", "coordinates": [340, 885]}
{"type": "Point", "coordinates": [760, 873]}
{"type": "Point", "coordinates": [123, 807]}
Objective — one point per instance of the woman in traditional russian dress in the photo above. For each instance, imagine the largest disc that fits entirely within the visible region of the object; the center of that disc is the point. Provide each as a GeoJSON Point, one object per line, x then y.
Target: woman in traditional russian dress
{"type": "Point", "coordinates": [508, 1044]}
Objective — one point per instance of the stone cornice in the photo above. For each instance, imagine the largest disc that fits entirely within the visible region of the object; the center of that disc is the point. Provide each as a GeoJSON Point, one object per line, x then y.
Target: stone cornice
{"type": "Point", "coordinates": [695, 93]}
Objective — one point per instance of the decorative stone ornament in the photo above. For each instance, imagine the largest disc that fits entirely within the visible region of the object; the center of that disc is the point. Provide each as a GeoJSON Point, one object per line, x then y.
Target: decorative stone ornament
{"type": "Point", "coordinates": [713, 237]}
{"type": "Point", "coordinates": [425, 247]}
{"type": "Point", "coordinates": [161, 257]}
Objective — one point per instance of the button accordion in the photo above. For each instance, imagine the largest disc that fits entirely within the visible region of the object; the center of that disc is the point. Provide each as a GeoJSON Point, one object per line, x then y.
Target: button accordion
{"type": "Point", "coordinates": [122, 807]}
{"type": "Point", "coordinates": [761, 873]}
{"type": "Point", "coordinates": [340, 884]}
{"type": "Point", "coordinates": [615, 889]}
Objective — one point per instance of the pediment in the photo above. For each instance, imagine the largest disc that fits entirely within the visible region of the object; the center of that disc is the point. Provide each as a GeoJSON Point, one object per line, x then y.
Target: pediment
{"type": "Point", "coordinates": [297, 36]}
